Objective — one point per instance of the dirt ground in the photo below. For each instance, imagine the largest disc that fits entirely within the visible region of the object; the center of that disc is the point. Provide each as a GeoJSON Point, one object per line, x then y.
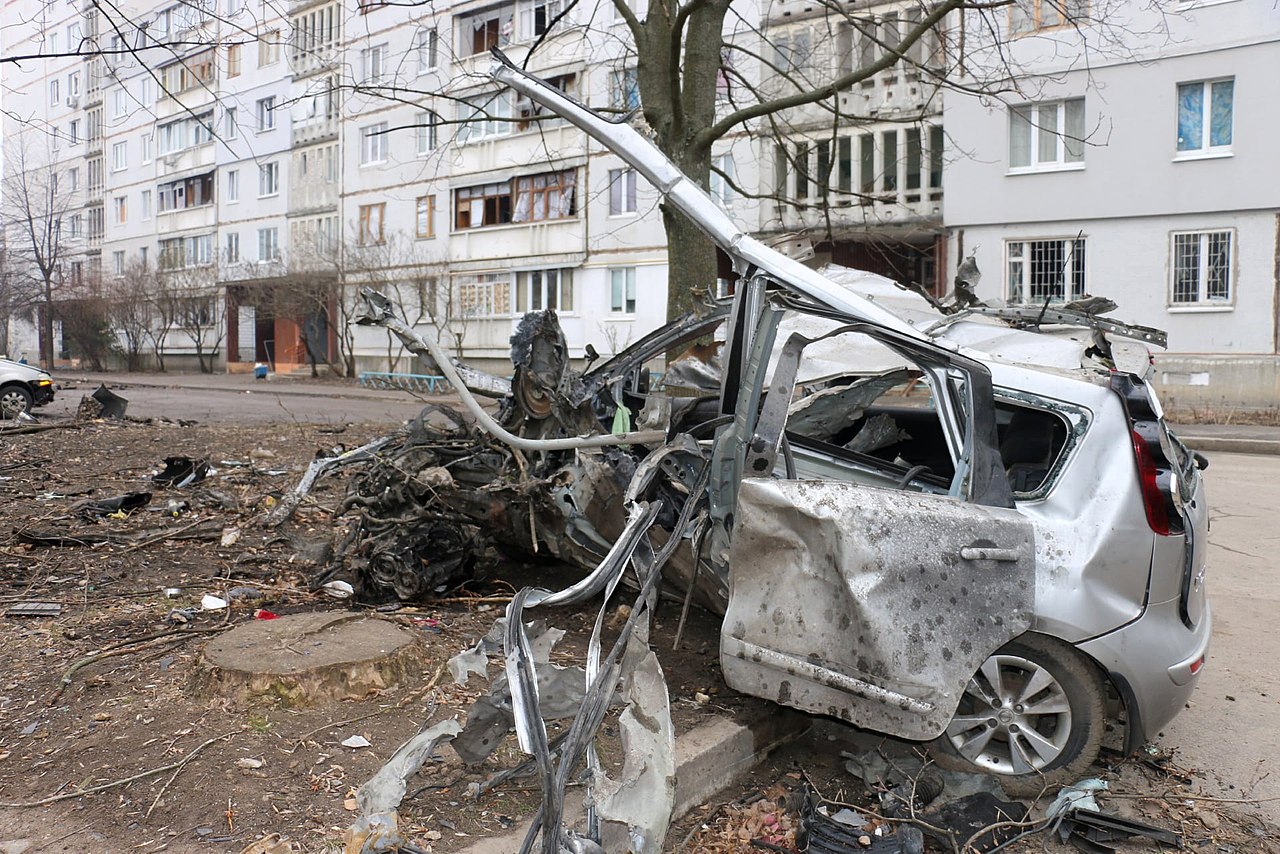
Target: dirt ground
{"type": "Point", "coordinates": [69, 724]}
{"type": "Point", "coordinates": [182, 774]}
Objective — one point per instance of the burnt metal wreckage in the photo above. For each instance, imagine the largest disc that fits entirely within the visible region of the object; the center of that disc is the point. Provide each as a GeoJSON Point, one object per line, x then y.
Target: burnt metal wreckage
{"type": "Point", "coordinates": [840, 473]}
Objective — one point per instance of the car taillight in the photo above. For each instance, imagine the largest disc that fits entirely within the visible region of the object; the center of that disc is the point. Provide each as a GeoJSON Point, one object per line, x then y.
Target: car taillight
{"type": "Point", "coordinates": [1152, 497]}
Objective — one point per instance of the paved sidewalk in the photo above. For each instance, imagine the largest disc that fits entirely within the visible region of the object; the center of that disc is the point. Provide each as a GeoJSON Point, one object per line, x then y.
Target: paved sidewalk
{"type": "Point", "coordinates": [1230, 438]}
{"type": "Point", "coordinates": [331, 387]}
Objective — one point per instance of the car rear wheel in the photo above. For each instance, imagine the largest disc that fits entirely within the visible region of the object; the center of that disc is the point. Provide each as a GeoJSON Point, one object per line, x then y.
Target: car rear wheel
{"type": "Point", "coordinates": [1033, 714]}
{"type": "Point", "coordinates": [14, 400]}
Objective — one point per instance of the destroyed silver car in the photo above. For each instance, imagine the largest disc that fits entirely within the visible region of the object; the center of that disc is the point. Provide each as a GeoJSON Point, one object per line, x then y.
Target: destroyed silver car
{"type": "Point", "coordinates": [940, 520]}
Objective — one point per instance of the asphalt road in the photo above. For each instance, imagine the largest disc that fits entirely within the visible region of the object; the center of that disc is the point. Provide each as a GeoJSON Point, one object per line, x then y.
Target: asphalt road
{"type": "Point", "coordinates": [1232, 729]}
{"type": "Point", "coordinates": [245, 402]}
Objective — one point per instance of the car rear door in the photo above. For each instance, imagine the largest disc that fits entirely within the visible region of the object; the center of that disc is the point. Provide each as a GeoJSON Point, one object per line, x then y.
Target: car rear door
{"type": "Point", "coordinates": [875, 598]}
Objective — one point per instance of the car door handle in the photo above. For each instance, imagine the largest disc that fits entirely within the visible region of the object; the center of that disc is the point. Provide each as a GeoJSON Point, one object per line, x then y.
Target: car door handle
{"type": "Point", "coordinates": [989, 553]}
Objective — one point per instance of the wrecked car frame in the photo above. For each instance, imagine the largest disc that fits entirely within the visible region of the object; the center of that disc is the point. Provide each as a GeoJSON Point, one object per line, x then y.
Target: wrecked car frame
{"type": "Point", "coordinates": [937, 526]}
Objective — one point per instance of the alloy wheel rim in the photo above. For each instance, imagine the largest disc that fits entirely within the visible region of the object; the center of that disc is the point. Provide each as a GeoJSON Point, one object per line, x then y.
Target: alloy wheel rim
{"type": "Point", "coordinates": [11, 403]}
{"type": "Point", "coordinates": [1014, 718]}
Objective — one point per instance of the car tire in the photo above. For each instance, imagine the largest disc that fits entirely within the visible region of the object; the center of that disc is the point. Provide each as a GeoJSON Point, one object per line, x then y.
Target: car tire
{"type": "Point", "coordinates": [14, 400]}
{"type": "Point", "coordinates": [1047, 726]}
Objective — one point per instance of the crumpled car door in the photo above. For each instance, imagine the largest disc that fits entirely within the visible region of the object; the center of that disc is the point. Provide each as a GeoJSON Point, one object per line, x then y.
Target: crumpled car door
{"type": "Point", "coordinates": [871, 604]}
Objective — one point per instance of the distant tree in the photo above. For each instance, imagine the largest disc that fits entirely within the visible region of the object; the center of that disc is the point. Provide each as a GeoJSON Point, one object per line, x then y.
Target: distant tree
{"type": "Point", "coordinates": [131, 309]}
{"type": "Point", "coordinates": [34, 215]}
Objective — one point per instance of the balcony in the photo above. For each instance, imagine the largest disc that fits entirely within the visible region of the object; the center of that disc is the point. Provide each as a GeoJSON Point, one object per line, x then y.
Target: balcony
{"type": "Point", "coordinates": [186, 219]}
{"type": "Point", "coordinates": [197, 157]}
{"type": "Point", "coordinates": [314, 130]}
{"type": "Point", "coordinates": [877, 212]}
{"type": "Point", "coordinates": [531, 242]}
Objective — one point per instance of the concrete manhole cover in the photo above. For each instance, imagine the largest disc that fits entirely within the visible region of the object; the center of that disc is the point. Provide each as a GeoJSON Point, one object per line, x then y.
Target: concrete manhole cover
{"type": "Point", "coordinates": [307, 659]}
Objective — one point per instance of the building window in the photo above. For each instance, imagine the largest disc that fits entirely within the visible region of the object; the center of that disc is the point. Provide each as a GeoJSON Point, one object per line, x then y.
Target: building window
{"type": "Point", "coordinates": [1205, 116]}
{"type": "Point", "coordinates": [622, 290]}
{"type": "Point", "coordinates": [1026, 16]}
{"type": "Point", "coordinates": [179, 252]}
{"type": "Point", "coordinates": [266, 110]}
{"type": "Point", "coordinates": [119, 103]}
{"type": "Point", "coordinates": [484, 295]}
{"type": "Point", "coordinates": [233, 185]}
{"type": "Point", "coordinates": [233, 248]}
{"type": "Point", "coordinates": [268, 48]}
{"type": "Point", "coordinates": [119, 157]}
{"type": "Point", "coordinates": [426, 46]}
{"type": "Point", "coordinates": [1048, 135]}
{"type": "Point", "coordinates": [73, 179]}
{"type": "Point", "coordinates": [1041, 270]}
{"type": "Point", "coordinates": [792, 51]}
{"type": "Point", "coordinates": [54, 92]}
{"type": "Point", "coordinates": [370, 224]}
{"type": "Point", "coordinates": [148, 147]}
{"type": "Point", "coordinates": [483, 116]}
{"type": "Point", "coordinates": [1201, 268]}
{"type": "Point", "coordinates": [425, 217]}
{"type": "Point", "coordinates": [373, 63]}
{"type": "Point", "coordinates": [483, 31]}
{"type": "Point", "coordinates": [120, 205]}
{"type": "Point", "coordinates": [233, 60]}
{"type": "Point", "coordinates": [117, 262]}
{"type": "Point", "coordinates": [76, 225]}
{"type": "Point", "coordinates": [723, 176]}
{"type": "Point", "coordinates": [146, 204]}
{"type": "Point", "coordinates": [268, 179]}
{"type": "Point", "coordinates": [268, 244]}
{"type": "Point", "coordinates": [231, 123]}
{"type": "Point", "coordinates": [373, 144]}
{"type": "Point", "coordinates": [542, 289]}
{"type": "Point", "coordinates": [537, 17]}
{"type": "Point", "coordinates": [184, 193]}
{"type": "Point", "coordinates": [530, 198]}
{"type": "Point", "coordinates": [428, 126]}
{"type": "Point", "coordinates": [622, 191]}
{"type": "Point", "coordinates": [530, 113]}
{"type": "Point", "coordinates": [624, 89]}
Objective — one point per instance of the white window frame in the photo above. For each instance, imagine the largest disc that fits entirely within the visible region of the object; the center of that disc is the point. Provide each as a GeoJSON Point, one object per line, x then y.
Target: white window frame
{"type": "Point", "coordinates": [120, 210]}
{"type": "Point", "coordinates": [231, 123]}
{"type": "Point", "coordinates": [374, 144]}
{"type": "Point", "coordinates": [373, 64]}
{"type": "Point", "coordinates": [233, 186]}
{"type": "Point", "coordinates": [119, 156]}
{"type": "Point", "coordinates": [1017, 257]}
{"type": "Point", "coordinates": [148, 147]}
{"type": "Point", "coordinates": [119, 103]}
{"type": "Point", "coordinates": [1068, 147]}
{"type": "Point", "coordinates": [269, 180]}
{"type": "Point", "coordinates": [485, 116]}
{"type": "Point", "coordinates": [545, 288]}
{"type": "Point", "coordinates": [721, 188]}
{"type": "Point", "coordinates": [268, 245]}
{"type": "Point", "coordinates": [482, 296]}
{"type": "Point", "coordinates": [232, 252]}
{"type": "Point", "coordinates": [428, 132]}
{"type": "Point", "coordinates": [146, 205]}
{"type": "Point", "coordinates": [622, 291]}
{"type": "Point", "coordinates": [1206, 149]}
{"type": "Point", "coordinates": [117, 263]}
{"type": "Point", "coordinates": [426, 44]}
{"type": "Point", "coordinates": [622, 192]}
{"type": "Point", "coordinates": [265, 112]}
{"type": "Point", "coordinates": [1203, 302]}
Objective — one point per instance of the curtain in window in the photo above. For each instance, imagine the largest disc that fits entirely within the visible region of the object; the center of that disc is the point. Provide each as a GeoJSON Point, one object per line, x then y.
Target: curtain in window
{"type": "Point", "coordinates": [1190, 116]}
{"type": "Point", "coordinates": [1019, 136]}
{"type": "Point", "coordinates": [1222, 96]}
{"type": "Point", "coordinates": [564, 202]}
{"type": "Point", "coordinates": [524, 200]}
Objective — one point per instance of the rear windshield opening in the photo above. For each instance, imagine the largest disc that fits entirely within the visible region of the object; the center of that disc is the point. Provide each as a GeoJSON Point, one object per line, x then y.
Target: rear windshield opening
{"type": "Point", "coordinates": [1031, 440]}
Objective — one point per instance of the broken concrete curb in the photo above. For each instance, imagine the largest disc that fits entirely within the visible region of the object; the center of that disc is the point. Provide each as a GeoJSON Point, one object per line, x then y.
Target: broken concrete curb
{"type": "Point", "coordinates": [708, 759]}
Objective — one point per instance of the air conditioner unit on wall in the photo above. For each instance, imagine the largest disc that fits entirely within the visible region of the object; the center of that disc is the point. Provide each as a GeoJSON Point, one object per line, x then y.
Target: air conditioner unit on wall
{"type": "Point", "coordinates": [170, 160]}
{"type": "Point", "coordinates": [73, 101]}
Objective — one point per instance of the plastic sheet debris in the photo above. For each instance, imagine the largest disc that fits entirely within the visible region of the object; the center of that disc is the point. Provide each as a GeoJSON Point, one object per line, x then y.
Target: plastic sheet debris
{"type": "Point", "coordinates": [230, 536]}
{"type": "Point", "coordinates": [209, 602]}
{"type": "Point", "coordinates": [378, 827]}
{"type": "Point", "coordinates": [180, 472]}
{"type": "Point", "coordinates": [338, 589]}
{"type": "Point", "coordinates": [101, 507]}
{"type": "Point", "coordinates": [34, 609]}
{"type": "Point", "coordinates": [1081, 795]}
{"type": "Point", "coordinates": [356, 742]}
{"type": "Point", "coordinates": [264, 614]}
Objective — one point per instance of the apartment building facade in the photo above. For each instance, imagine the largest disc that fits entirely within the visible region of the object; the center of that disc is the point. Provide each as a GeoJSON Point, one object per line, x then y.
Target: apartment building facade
{"type": "Point", "coordinates": [1146, 175]}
